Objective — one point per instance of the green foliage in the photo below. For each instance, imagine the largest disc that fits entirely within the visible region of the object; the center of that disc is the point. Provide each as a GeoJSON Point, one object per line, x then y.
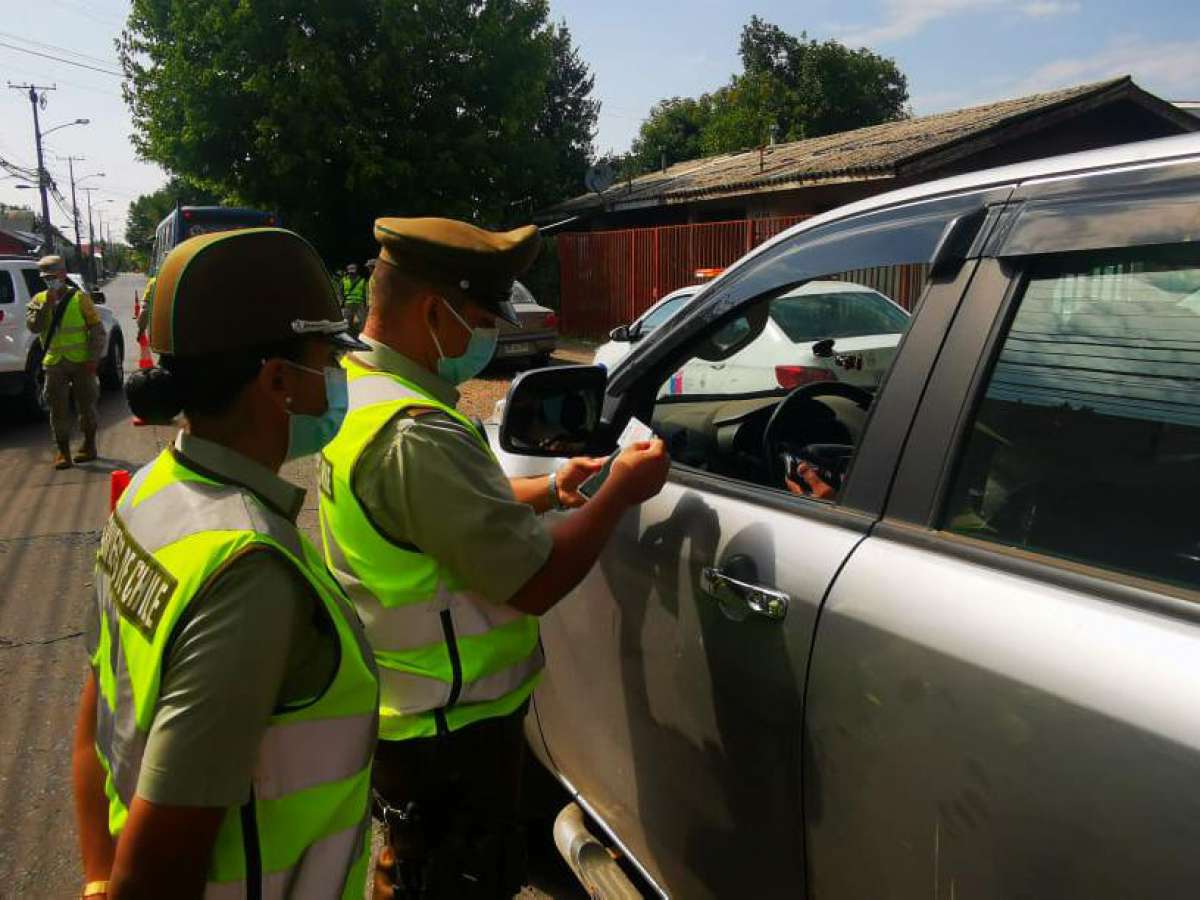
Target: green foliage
{"type": "Point", "coordinates": [790, 88]}
{"type": "Point", "coordinates": [335, 112]}
{"type": "Point", "coordinates": [673, 132]}
{"type": "Point", "coordinates": [148, 210]}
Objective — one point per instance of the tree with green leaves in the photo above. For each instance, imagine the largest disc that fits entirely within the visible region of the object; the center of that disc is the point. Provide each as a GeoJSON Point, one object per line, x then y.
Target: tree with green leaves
{"type": "Point", "coordinates": [334, 112]}
{"type": "Point", "coordinates": [791, 87]}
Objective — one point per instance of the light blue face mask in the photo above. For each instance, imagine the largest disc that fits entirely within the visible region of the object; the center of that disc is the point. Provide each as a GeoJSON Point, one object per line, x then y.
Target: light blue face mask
{"type": "Point", "coordinates": [480, 350]}
{"type": "Point", "coordinates": [308, 434]}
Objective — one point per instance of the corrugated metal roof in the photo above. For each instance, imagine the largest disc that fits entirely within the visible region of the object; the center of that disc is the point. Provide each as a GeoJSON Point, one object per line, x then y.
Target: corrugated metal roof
{"type": "Point", "coordinates": [878, 151]}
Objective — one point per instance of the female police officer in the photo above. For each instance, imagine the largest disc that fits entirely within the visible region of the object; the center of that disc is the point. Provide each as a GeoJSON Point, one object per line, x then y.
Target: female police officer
{"type": "Point", "coordinates": [225, 732]}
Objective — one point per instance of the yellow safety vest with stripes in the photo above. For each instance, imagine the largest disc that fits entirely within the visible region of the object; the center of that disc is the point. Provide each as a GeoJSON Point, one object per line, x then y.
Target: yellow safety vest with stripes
{"type": "Point", "coordinates": [354, 290]}
{"type": "Point", "coordinates": [304, 831]}
{"type": "Point", "coordinates": [447, 656]}
{"type": "Point", "coordinates": [70, 341]}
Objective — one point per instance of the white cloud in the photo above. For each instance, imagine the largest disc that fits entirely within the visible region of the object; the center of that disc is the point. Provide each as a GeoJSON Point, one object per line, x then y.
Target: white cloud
{"type": "Point", "coordinates": [905, 18]}
{"type": "Point", "coordinates": [1044, 9]}
{"type": "Point", "coordinates": [1171, 70]}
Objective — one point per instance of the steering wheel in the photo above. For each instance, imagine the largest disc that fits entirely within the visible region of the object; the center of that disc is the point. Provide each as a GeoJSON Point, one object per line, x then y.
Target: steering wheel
{"type": "Point", "coordinates": [776, 447]}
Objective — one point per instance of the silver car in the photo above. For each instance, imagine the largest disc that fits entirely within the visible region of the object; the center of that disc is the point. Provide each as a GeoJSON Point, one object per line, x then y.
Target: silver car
{"type": "Point", "coordinates": [957, 654]}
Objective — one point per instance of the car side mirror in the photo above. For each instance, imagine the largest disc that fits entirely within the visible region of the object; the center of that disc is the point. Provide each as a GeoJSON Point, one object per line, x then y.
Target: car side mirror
{"type": "Point", "coordinates": [98, 297]}
{"type": "Point", "coordinates": [555, 412]}
{"type": "Point", "coordinates": [621, 333]}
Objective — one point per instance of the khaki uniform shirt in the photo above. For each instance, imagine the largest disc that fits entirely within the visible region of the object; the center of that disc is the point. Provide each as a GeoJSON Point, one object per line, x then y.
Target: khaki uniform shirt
{"type": "Point", "coordinates": [255, 640]}
{"type": "Point", "coordinates": [426, 480]}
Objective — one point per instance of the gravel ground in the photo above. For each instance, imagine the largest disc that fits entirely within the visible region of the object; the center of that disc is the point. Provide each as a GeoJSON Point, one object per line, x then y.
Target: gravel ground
{"type": "Point", "coordinates": [479, 395]}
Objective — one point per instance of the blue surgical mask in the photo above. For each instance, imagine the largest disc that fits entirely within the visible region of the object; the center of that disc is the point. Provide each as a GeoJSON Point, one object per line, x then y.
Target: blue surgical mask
{"type": "Point", "coordinates": [308, 434]}
{"type": "Point", "coordinates": [480, 350]}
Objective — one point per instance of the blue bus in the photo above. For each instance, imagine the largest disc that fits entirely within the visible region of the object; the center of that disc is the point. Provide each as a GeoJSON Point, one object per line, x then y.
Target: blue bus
{"type": "Point", "coordinates": [189, 221]}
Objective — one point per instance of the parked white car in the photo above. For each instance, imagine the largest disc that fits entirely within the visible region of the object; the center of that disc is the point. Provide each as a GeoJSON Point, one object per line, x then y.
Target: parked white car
{"type": "Point", "coordinates": [21, 375]}
{"type": "Point", "coordinates": [622, 339]}
{"type": "Point", "coordinates": [820, 331]}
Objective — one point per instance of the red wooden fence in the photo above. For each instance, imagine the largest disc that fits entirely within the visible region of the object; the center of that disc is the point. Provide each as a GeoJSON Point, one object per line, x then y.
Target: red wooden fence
{"type": "Point", "coordinates": [609, 278]}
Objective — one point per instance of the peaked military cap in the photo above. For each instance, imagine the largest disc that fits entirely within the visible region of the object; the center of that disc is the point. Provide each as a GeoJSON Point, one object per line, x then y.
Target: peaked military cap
{"type": "Point", "coordinates": [477, 264]}
{"type": "Point", "coordinates": [232, 290]}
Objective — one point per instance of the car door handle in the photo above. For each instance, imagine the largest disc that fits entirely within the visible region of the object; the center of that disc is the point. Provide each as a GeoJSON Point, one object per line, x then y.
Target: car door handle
{"type": "Point", "coordinates": [739, 596]}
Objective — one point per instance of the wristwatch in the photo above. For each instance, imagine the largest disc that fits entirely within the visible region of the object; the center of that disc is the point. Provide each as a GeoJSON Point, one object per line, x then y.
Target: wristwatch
{"type": "Point", "coordinates": [552, 487]}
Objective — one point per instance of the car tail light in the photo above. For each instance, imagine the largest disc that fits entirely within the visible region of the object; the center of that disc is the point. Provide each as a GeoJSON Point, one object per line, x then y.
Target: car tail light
{"type": "Point", "coordinates": [794, 376]}
{"type": "Point", "coordinates": [187, 215]}
{"type": "Point", "coordinates": [551, 321]}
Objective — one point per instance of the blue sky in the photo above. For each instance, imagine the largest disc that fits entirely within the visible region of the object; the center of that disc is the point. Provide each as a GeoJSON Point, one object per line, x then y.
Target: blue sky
{"type": "Point", "coordinates": [955, 52]}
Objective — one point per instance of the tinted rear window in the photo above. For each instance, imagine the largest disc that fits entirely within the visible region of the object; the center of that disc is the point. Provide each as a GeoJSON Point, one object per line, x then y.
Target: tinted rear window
{"type": "Point", "coordinates": [813, 317]}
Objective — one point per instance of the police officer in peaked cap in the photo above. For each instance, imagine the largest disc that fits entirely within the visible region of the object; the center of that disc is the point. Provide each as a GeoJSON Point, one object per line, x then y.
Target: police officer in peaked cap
{"type": "Point", "coordinates": [226, 726]}
{"type": "Point", "coordinates": [447, 559]}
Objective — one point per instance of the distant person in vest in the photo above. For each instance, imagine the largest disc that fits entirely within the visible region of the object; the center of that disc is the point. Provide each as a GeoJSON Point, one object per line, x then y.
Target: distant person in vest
{"type": "Point", "coordinates": [446, 558]}
{"type": "Point", "coordinates": [73, 343]}
{"type": "Point", "coordinates": [224, 737]}
{"type": "Point", "coordinates": [147, 310]}
{"type": "Point", "coordinates": [354, 298]}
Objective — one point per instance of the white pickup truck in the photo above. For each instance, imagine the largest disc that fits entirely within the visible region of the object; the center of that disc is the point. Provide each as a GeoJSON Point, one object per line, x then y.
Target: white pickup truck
{"type": "Point", "coordinates": [21, 376]}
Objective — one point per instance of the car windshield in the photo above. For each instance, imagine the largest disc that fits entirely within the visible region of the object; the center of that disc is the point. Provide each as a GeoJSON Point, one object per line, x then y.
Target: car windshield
{"type": "Point", "coordinates": [844, 314]}
{"type": "Point", "coordinates": [660, 314]}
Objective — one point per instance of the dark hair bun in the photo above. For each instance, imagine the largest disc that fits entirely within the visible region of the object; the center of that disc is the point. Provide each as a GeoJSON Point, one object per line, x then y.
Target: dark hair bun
{"type": "Point", "coordinates": [153, 395]}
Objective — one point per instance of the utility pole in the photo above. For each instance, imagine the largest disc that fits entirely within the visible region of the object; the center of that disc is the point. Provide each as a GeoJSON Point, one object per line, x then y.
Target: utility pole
{"type": "Point", "coordinates": [47, 228]}
{"type": "Point", "coordinates": [91, 240]}
{"type": "Point", "coordinates": [71, 160]}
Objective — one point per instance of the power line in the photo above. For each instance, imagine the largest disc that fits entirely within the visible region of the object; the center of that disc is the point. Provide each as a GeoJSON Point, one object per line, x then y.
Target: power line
{"type": "Point", "coordinates": [59, 59]}
{"type": "Point", "coordinates": [103, 61]}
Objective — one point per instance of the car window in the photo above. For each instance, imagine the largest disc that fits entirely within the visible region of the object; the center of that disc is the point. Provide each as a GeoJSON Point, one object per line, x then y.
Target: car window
{"type": "Point", "coordinates": [1086, 442]}
{"type": "Point", "coordinates": [837, 314]}
{"type": "Point", "coordinates": [33, 282]}
{"type": "Point", "coordinates": [8, 292]}
{"type": "Point", "coordinates": [735, 407]}
{"type": "Point", "coordinates": [660, 314]}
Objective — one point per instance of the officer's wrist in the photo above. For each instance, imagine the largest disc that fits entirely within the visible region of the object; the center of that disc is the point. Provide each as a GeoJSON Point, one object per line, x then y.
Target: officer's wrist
{"type": "Point", "coordinates": [556, 502]}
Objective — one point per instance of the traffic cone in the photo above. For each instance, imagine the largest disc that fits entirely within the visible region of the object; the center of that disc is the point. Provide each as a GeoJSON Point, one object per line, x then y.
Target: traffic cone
{"type": "Point", "coordinates": [117, 482]}
{"type": "Point", "coordinates": [145, 361]}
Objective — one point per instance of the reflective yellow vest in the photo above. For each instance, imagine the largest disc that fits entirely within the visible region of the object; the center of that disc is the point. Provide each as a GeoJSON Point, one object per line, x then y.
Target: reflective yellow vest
{"type": "Point", "coordinates": [304, 832]}
{"type": "Point", "coordinates": [354, 290]}
{"type": "Point", "coordinates": [70, 341]}
{"type": "Point", "coordinates": [447, 656]}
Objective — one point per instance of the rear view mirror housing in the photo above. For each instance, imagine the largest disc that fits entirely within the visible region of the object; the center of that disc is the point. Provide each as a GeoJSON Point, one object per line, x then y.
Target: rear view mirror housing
{"type": "Point", "coordinates": [98, 297]}
{"type": "Point", "coordinates": [555, 412]}
{"type": "Point", "coordinates": [621, 333]}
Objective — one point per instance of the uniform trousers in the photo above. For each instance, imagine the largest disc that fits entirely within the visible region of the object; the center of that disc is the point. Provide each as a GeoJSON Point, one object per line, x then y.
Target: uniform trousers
{"type": "Point", "coordinates": [65, 379]}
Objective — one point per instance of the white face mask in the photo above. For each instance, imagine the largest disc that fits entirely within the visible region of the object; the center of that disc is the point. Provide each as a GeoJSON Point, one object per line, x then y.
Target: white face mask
{"type": "Point", "coordinates": [56, 282]}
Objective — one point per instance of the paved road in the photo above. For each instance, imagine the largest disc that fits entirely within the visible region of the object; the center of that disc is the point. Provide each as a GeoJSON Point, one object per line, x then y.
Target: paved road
{"type": "Point", "coordinates": [48, 536]}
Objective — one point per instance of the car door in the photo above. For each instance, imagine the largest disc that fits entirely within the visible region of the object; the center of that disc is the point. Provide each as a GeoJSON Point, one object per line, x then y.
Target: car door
{"type": "Point", "coordinates": [12, 325]}
{"type": "Point", "coordinates": [672, 702]}
{"type": "Point", "coordinates": [1002, 693]}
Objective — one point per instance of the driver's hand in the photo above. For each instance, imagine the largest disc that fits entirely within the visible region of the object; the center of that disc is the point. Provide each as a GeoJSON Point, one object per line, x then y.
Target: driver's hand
{"type": "Point", "coordinates": [810, 484]}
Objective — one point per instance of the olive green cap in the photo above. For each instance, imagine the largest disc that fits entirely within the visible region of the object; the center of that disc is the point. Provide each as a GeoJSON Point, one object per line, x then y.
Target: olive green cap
{"type": "Point", "coordinates": [232, 290]}
{"type": "Point", "coordinates": [471, 262]}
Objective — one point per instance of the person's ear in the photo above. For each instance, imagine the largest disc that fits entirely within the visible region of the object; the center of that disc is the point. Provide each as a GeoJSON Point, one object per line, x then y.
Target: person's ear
{"type": "Point", "coordinates": [273, 381]}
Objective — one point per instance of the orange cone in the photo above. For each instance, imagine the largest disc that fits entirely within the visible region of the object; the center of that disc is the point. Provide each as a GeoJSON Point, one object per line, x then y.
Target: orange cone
{"type": "Point", "coordinates": [118, 481]}
{"type": "Point", "coordinates": [145, 360]}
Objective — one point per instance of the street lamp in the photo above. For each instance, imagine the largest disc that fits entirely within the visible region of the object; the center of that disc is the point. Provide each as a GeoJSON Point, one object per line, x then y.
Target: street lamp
{"type": "Point", "coordinates": [67, 125]}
